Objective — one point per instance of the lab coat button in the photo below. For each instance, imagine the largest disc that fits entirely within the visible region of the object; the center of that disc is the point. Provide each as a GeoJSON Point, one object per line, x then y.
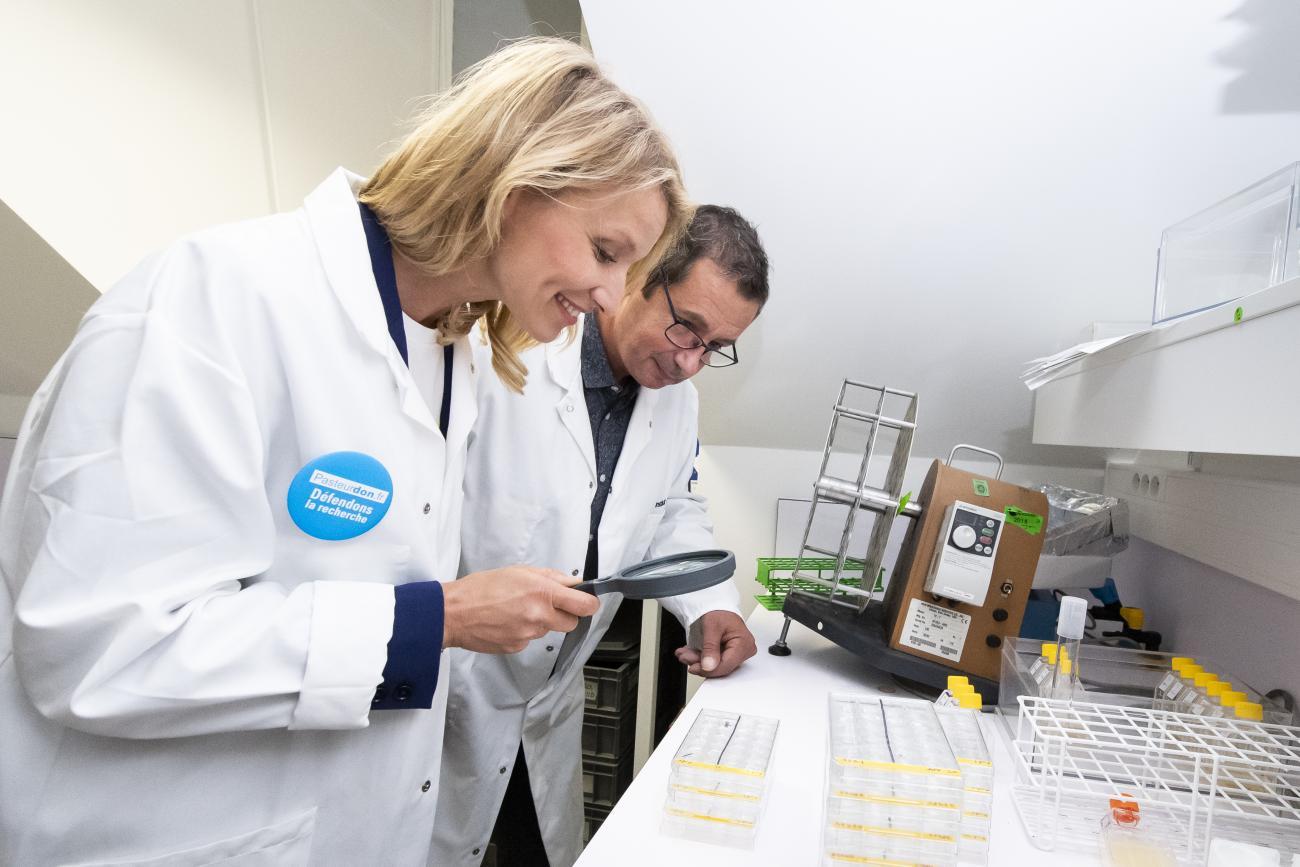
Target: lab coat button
{"type": "Point", "coordinates": [427, 508]}
{"type": "Point", "coordinates": [550, 647]}
{"type": "Point", "coordinates": [574, 573]}
{"type": "Point", "coordinates": [568, 407]}
{"type": "Point", "coordinates": [403, 692]}
{"type": "Point", "coordinates": [476, 851]}
{"type": "Point", "coordinates": [501, 770]}
{"type": "Point", "coordinates": [427, 784]}
{"type": "Point", "coordinates": [590, 485]}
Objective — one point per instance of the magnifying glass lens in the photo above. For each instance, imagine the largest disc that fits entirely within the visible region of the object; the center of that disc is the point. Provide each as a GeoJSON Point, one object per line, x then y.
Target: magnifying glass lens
{"type": "Point", "coordinates": [676, 567]}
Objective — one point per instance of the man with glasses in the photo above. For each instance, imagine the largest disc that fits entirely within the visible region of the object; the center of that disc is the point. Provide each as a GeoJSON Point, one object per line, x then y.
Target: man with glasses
{"type": "Point", "coordinates": [587, 471]}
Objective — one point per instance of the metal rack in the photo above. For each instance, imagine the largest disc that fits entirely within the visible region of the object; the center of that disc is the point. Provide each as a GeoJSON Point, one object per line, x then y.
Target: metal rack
{"type": "Point", "coordinates": [883, 503]}
{"type": "Point", "coordinates": [1194, 778]}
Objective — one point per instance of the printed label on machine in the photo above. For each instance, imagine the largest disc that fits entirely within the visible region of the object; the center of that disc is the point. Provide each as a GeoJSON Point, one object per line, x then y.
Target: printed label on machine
{"type": "Point", "coordinates": [932, 629]}
{"type": "Point", "coordinates": [962, 565]}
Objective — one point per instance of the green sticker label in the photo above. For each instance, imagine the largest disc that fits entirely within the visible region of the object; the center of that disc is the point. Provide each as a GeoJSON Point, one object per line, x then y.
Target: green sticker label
{"type": "Point", "coordinates": [1027, 521]}
{"type": "Point", "coordinates": [902, 504]}
{"type": "Point", "coordinates": [981, 487]}
{"type": "Point", "coordinates": [1237, 314]}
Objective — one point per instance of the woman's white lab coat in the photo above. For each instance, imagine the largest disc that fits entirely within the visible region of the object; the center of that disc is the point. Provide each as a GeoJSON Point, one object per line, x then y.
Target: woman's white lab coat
{"type": "Point", "coordinates": [185, 675]}
{"type": "Point", "coordinates": [528, 490]}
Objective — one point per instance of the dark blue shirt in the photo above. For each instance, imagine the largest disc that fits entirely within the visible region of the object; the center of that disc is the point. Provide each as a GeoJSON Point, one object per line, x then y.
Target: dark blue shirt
{"type": "Point", "coordinates": [609, 405]}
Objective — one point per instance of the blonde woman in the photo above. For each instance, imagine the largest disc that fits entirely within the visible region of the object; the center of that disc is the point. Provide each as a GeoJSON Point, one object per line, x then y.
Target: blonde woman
{"type": "Point", "coordinates": [237, 495]}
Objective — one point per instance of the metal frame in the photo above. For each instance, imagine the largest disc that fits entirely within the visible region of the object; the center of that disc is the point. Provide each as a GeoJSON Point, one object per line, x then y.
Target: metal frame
{"type": "Point", "coordinates": [882, 503]}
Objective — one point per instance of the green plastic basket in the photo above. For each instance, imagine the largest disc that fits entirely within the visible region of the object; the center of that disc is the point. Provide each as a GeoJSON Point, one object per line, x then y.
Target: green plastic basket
{"type": "Point", "coordinates": [770, 576]}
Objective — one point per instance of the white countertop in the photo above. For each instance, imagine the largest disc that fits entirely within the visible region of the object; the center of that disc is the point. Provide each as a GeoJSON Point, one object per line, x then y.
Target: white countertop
{"type": "Point", "coordinates": [793, 689]}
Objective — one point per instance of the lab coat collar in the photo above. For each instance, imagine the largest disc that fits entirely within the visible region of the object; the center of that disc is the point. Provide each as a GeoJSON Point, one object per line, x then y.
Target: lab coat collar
{"type": "Point", "coordinates": [335, 222]}
{"type": "Point", "coordinates": [564, 364]}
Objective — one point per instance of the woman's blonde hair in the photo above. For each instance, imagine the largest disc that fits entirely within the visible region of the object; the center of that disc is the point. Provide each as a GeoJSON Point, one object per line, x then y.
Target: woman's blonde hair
{"type": "Point", "coordinates": [537, 115]}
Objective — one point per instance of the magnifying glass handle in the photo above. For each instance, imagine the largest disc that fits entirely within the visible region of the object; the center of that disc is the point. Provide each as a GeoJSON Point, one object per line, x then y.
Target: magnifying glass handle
{"type": "Point", "coordinates": [596, 586]}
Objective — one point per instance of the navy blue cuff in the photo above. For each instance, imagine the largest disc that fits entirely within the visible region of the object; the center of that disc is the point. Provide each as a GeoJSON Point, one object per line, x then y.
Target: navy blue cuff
{"type": "Point", "coordinates": [415, 650]}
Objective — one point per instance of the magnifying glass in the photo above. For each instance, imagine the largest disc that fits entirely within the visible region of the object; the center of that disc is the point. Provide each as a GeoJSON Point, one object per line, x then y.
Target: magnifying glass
{"type": "Point", "coordinates": [666, 576]}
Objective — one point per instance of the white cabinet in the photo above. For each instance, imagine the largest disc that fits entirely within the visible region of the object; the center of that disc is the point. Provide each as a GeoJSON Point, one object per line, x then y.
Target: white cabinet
{"type": "Point", "coordinates": [1207, 383]}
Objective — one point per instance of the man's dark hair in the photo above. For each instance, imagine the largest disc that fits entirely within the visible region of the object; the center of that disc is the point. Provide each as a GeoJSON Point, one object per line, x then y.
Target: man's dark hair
{"type": "Point", "coordinates": [730, 241]}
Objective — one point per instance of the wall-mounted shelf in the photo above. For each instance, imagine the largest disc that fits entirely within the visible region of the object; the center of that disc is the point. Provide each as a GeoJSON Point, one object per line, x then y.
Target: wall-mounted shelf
{"type": "Point", "coordinates": [1207, 383]}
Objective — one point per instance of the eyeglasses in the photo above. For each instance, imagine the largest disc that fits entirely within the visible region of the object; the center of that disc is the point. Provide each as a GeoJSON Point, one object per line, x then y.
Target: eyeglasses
{"type": "Point", "coordinates": [683, 336]}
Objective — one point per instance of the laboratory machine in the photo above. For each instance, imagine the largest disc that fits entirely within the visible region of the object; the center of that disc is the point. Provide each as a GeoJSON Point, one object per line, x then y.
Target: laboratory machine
{"type": "Point", "coordinates": [962, 578]}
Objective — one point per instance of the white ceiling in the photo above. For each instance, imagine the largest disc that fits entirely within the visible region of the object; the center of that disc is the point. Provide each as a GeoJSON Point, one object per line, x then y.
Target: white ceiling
{"type": "Point", "coordinates": [948, 189]}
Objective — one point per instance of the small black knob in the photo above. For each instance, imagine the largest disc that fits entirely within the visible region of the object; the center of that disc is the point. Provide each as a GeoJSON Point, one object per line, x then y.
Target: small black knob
{"type": "Point", "coordinates": [993, 641]}
{"type": "Point", "coordinates": [999, 614]}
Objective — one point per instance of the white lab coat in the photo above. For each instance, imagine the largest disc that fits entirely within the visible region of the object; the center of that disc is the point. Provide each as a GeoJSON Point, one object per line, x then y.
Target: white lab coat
{"type": "Point", "coordinates": [185, 676]}
{"type": "Point", "coordinates": [528, 490]}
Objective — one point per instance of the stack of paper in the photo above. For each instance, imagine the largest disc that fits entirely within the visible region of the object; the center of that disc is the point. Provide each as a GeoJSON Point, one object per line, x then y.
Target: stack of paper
{"type": "Point", "coordinates": [1044, 370]}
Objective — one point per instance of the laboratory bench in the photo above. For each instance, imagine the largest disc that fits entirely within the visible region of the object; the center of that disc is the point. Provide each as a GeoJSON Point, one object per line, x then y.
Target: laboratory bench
{"type": "Point", "coordinates": [794, 690]}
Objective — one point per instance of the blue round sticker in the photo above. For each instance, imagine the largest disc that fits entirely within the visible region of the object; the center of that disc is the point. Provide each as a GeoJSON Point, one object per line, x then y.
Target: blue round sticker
{"type": "Point", "coordinates": [340, 495]}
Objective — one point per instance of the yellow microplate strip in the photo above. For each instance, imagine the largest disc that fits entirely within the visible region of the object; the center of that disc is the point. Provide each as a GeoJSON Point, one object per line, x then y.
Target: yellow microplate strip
{"type": "Point", "coordinates": [905, 802]}
{"type": "Point", "coordinates": [686, 814]}
{"type": "Point", "coordinates": [896, 766]}
{"type": "Point", "coordinates": [714, 793]}
{"type": "Point", "coordinates": [893, 832]}
{"type": "Point", "coordinates": [687, 763]}
{"type": "Point", "coordinates": [863, 859]}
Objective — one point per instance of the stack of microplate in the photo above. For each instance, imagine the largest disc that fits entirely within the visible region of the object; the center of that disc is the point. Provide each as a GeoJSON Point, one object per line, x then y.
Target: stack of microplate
{"type": "Point", "coordinates": [717, 785]}
{"type": "Point", "coordinates": [972, 753]}
{"type": "Point", "coordinates": [895, 791]}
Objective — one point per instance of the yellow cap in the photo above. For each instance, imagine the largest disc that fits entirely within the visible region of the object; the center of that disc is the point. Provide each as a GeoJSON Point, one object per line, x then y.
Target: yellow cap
{"type": "Point", "coordinates": [1178, 662]}
{"type": "Point", "coordinates": [970, 700]}
{"type": "Point", "coordinates": [1049, 651]}
{"type": "Point", "coordinates": [1133, 617]}
{"type": "Point", "coordinates": [1204, 678]}
{"type": "Point", "coordinates": [955, 679]}
{"type": "Point", "coordinates": [1190, 670]}
{"type": "Point", "coordinates": [1217, 688]}
{"type": "Point", "coordinates": [1248, 710]}
{"type": "Point", "coordinates": [1230, 698]}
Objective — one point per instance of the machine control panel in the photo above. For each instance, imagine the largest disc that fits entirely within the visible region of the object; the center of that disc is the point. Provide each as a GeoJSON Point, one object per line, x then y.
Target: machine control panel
{"type": "Point", "coordinates": [962, 567]}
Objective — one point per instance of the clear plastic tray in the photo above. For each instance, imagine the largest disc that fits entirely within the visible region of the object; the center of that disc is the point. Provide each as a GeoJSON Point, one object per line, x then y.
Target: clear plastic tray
{"type": "Point", "coordinates": [717, 784]}
{"type": "Point", "coordinates": [894, 789]}
{"type": "Point", "coordinates": [1245, 243]}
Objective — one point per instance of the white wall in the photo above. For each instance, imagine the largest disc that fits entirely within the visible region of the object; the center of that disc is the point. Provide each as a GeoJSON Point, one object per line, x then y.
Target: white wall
{"type": "Point", "coordinates": [146, 119]}
{"type": "Point", "coordinates": [948, 189]}
{"type": "Point", "coordinates": [743, 484]}
{"type": "Point", "coordinates": [1252, 632]}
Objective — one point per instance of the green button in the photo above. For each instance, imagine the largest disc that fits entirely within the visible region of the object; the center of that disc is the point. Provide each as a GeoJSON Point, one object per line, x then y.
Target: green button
{"type": "Point", "coordinates": [981, 487]}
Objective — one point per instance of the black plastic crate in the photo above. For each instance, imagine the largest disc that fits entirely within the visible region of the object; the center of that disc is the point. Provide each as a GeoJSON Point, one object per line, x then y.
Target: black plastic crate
{"type": "Point", "coordinates": [610, 688]}
{"type": "Point", "coordinates": [603, 780]}
{"type": "Point", "coordinates": [593, 818]}
{"type": "Point", "coordinates": [622, 641]}
{"type": "Point", "coordinates": [608, 735]}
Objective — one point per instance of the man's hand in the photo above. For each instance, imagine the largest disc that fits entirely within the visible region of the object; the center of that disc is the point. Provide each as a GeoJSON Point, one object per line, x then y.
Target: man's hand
{"type": "Point", "coordinates": [725, 642]}
{"type": "Point", "coordinates": [500, 611]}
